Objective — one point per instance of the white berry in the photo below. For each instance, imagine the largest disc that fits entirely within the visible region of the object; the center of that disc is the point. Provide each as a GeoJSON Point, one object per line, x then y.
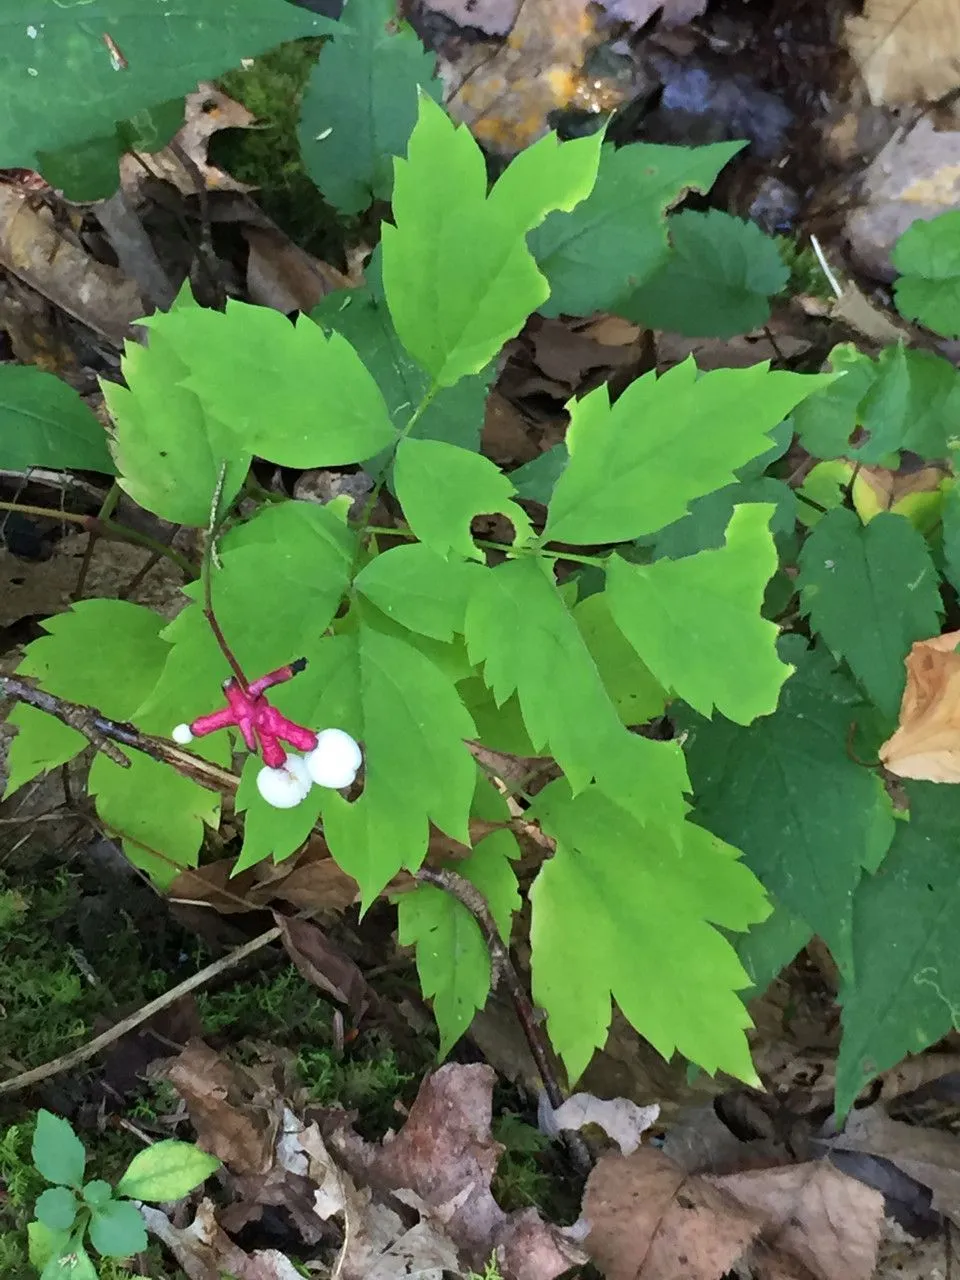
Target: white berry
{"type": "Point", "coordinates": [182, 734]}
{"type": "Point", "coordinates": [285, 787]}
{"type": "Point", "coordinates": [335, 759]}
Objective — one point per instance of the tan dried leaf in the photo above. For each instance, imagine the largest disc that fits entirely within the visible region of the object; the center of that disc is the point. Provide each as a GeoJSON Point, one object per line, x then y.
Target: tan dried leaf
{"type": "Point", "coordinates": [926, 744]}
{"type": "Point", "coordinates": [207, 111]}
{"type": "Point", "coordinates": [649, 1220]}
{"type": "Point", "coordinates": [929, 1156]}
{"type": "Point", "coordinates": [907, 50]}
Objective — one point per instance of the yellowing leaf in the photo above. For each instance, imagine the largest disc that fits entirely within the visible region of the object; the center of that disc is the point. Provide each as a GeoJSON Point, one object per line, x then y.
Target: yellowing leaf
{"type": "Point", "coordinates": [926, 744]}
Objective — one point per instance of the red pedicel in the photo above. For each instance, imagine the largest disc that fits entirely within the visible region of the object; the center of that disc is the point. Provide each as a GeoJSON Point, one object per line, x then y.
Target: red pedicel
{"type": "Point", "coordinates": [260, 724]}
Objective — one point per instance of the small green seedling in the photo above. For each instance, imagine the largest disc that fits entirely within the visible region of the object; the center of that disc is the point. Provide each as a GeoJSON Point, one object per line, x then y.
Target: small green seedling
{"type": "Point", "coordinates": [72, 1212]}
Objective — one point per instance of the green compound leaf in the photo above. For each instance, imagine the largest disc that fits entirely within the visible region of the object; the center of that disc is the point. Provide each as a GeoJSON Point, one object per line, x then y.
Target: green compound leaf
{"type": "Point", "coordinates": [704, 527]}
{"type": "Point", "coordinates": [717, 281]}
{"type": "Point", "coordinates": [441, 488]}
{"type": "Point", "coordinates": [360, 105]}
{"type": "Point", "coordinates": [289, 393]}
{"type": "Point", "coordinates": [906, 985]}
{"type": "Point", "coordinates": [269, 832]}
{"type": "Point", "coordinates": [169, 450]}
{"type": "Point", "coordinates": [412, 725]}
{"type": "Point", "coordinates": [538, 478]}
{"type": "Point", "coordinates": [57, 1152]}
{"type": "Point", "coordinates": [104, 653]}
{"type": "Point", "coordinates": [595, 256]}
{"type": "Point", "coordinates": [57, 1208]}
{"type": "Point", "coordinates": [453, 959]}
{"type": "Point", "coordinates": [607, 865]}
{"type": "Point", "coordinates": [696, 622]}
{"type": "Point", "coordinates": [65, 87]}
{"type": "Point", "coordinates": [633, 689]}
{"type": "Point", "coordinates": [755, 785]}
{"type": "Point", "coordinates": [455, 414]}
{"type": "Point", "coordinates": [419, 589]}
{"type": "Point", "coordinates": [159, 814]}
{"type": "Point", "coordinates": [928, 254]}
{"type": "Point", "coordinates": [44, 423]}
{"type": "Point", "coordinates": [520, 629]}
{"type": "Point", "coordinates": [870, 592]}
{"type": "Point", "coordinates": [529, 643]}
{"type": "Point", "coordinates": [117, 1230]}
{"type": "Point", "coordinates": [950, 522]}
{"type": "Point", "coordinates": [635, 467]}
{"type": "Point", "coordinates": [458, 276]}
{"type": "Point", "coordinates": [283, 577]}
{"type": "Point", "coordinates": [902, 400]}
{"type": "Point", "coordinates": [166, 1171]}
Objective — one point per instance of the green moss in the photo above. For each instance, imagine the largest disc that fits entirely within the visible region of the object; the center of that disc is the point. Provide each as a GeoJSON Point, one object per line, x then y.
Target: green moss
{"type": "Point", "coordinates": [806, 273]}
{"type": "Point", "coordinates": [54, 982]}
{"type": "Point", "coordinates": [269, 157]}
{"type": "Point", "coordinates": [520, 1180]}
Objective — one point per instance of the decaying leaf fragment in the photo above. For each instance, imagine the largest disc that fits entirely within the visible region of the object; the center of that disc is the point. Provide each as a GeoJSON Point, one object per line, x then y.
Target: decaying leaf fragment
{"type": "Point", "coordinates": [907, 50]}
{"type": "Point", "coordinates": [926, 744]}
{"type": "Point", "coordinates": [650, 1220]}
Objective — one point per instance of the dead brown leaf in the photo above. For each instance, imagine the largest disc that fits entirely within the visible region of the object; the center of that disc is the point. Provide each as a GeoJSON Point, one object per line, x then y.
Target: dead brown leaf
{"type": "Point", "coordinates": [35, 248]}
{"type": "Point", "coordinates": [649, 1220]}
{"type": "Point", "coordinates": [446, 1157]}
{"type": "Point", "coordinates": [817, 1221]}
{"type": "Point", "coordinates": [907, 50]}
{"type": "Point", "coordinates": [929, 1156]}
{"type": "Point", "coordinates": [493, 17]}
{"type": "Point", "coordinates": [325, 965]}
{"type": "Point", "coordinates": [282, 275]}
{"type": "Point", "coordinates": [926, 743]}
{"type": "Point", "coordinates": [890, 487]}
{"type": "Point", "coordinates": [207, 111]}
{"type": "Point", "coordinates": [231, 1121]}
{"type": "Point", "coordinates": [206, 1252]}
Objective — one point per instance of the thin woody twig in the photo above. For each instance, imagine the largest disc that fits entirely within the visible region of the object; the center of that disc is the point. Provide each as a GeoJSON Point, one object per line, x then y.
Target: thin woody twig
{"type": "Point", "coordinates": [469, 896]}
{"type": "Point", "coordinates": [105, 733]}
{"type": "Point", "coordinates": [98, 1043]}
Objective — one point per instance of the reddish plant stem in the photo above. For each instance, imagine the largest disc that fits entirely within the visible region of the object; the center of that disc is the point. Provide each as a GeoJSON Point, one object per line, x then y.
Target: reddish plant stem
{"type": "Point", "coordinates": [469, 896]}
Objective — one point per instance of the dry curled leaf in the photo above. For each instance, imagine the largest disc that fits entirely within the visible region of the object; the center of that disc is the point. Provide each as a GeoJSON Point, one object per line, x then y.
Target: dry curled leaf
{"type": "Point", "coordinates": [926, 743]}
{"type": "Point", "coordinates": [907, 50]}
